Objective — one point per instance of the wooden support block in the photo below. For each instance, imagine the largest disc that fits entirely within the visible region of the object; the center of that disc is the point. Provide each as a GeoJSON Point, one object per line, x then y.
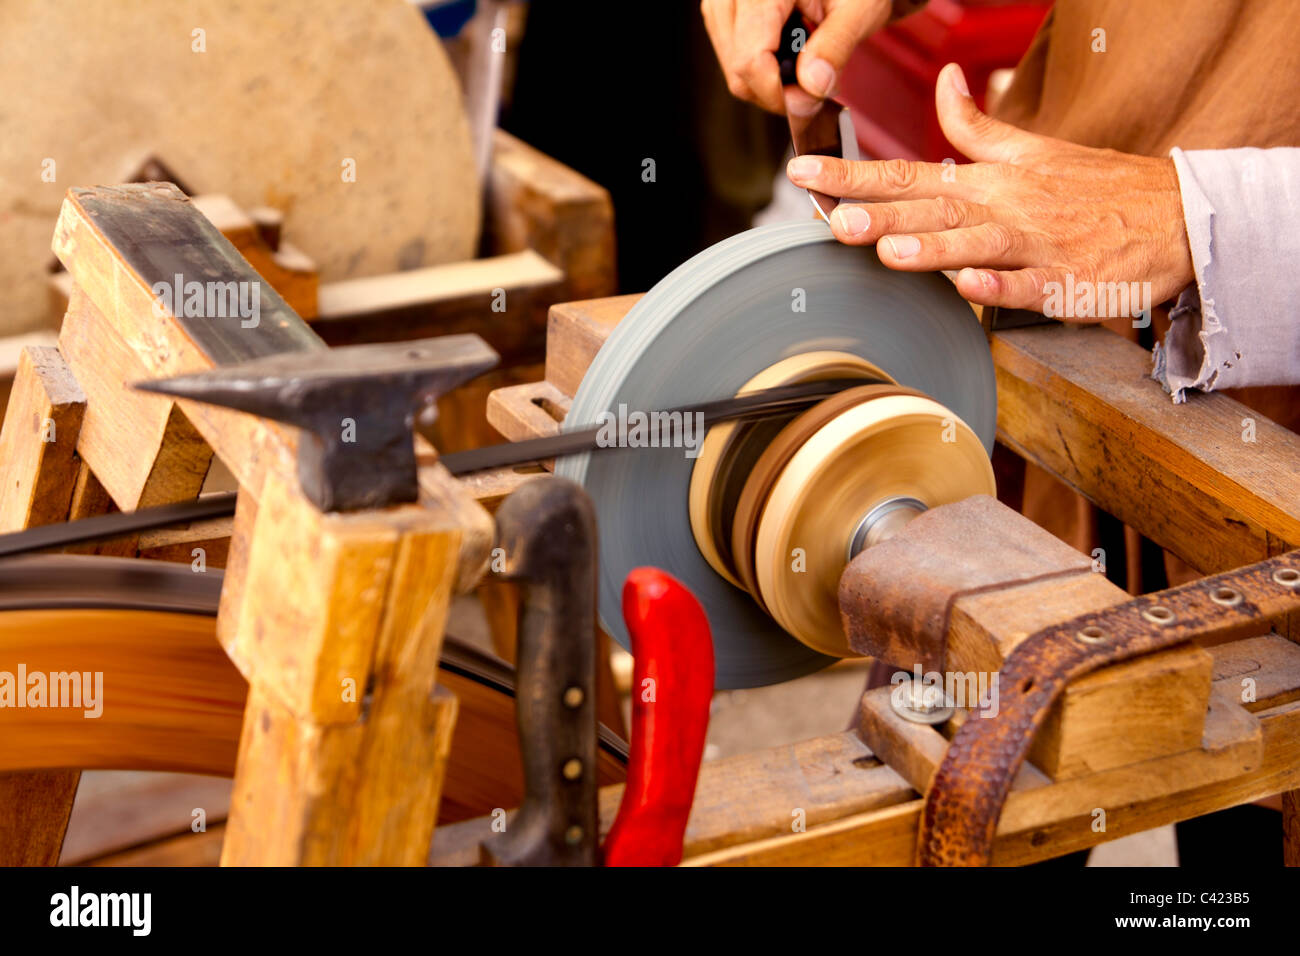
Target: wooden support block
{"type": "Point", "coordinates": [502, 298]}
{"type": "Point", "coordinates": [1211, 480]}
{"type": "Point", "coordinates": [38, 441]}
{"type": "Point", "coordinates": [317, 646]}
{"type": "Point", "coordinates": [348, 795]}
{"type": "Point", "coordinates": [179, 544]}
{"type": "Point", "coordinates": [344, 748]}
{"type": "Point", "coordinates": [490, 488]}
{"type": "Point", "coordinates": [11, 348]}
{"type": "Point", "coordinates": [96, 238]}
{"type": "Point", "coordinates": [90, 499]}
{"type": "Point", "coordinates": [1159, 701]}
{"type": "Point", "coordinates": [37, 449]}
{"type": "Point", "coordinates": [532, 410]}
{"type": "Point", "coordinates": [1161, 698]}
{"type": "Point", "coordinates": [575, 331]}
{"type": "Point", "coordinates": [1265, 671]}
{"type": "Point", "coordinates": [535, 202]}
{"type": "Point", "coordinates": [141, 447]}
{"type": "Point", "coordinates": [289, 270]}
{"type": "Point", "coordinates": [915, 750]}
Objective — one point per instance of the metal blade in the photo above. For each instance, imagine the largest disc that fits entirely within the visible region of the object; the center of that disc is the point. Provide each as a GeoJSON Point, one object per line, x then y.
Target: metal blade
{"type": "Point", "coordinates": [770, 401]}
{"type": "Point", "coordinates": [818, 127]}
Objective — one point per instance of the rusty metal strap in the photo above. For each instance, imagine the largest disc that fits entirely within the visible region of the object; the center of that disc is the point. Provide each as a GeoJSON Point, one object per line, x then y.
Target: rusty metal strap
{"type": "Point", "coordinates": [967, 792]}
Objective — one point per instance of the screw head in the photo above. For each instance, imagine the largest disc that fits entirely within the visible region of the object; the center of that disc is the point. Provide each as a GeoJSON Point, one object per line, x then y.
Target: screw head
{"type": "Point", "coordinates": [920, 703]}
{"type": "Point", "coordinates": [572, 769]}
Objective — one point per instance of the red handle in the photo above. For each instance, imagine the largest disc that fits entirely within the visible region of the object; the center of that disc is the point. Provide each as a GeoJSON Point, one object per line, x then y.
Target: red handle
{"type": "Point", "coordinates": [671, 689]}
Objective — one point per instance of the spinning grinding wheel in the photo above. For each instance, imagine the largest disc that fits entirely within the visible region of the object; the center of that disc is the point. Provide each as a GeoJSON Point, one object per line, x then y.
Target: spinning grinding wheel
{"type": "Point", "coordinates": [281, 95]}
{"type": "Point", "coordinates": [730, 320]}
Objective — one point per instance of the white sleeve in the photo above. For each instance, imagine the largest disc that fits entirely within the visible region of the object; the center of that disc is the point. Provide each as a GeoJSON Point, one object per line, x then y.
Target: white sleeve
{"type": "Point", "coordinates": [1240, 323]}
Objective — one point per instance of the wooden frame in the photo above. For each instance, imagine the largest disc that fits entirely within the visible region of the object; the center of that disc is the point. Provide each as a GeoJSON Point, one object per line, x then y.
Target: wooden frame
{"type": "Point", "coordinates": [1070, 399]}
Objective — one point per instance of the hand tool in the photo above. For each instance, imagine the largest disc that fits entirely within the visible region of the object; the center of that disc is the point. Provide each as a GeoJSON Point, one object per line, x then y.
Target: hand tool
{"type": "Point", "coordinates": [672, 687]}
{"type": "Point", "coordinates": [817, 127]}
{"type": "Point", "coordinates": [356, 406]}
{"type": "Point", "coordinates": [729, 315]}
{"type": "Point", "coordinates": [547, 531]}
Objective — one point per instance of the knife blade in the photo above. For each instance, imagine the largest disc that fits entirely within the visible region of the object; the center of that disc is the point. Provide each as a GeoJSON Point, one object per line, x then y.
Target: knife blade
{"type": "Point", "coordinates": [818, 127]}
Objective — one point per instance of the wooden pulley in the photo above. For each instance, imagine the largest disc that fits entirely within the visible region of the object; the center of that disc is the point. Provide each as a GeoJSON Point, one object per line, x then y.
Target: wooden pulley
{"type": "Point", "coordinates": [730, 450]}
{"type": "Point", "coordinates": [854, 482]}
{"type": "Point", "coordinates": [779, 507]}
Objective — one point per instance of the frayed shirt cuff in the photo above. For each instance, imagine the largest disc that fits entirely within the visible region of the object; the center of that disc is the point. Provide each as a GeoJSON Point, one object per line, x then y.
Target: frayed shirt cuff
{"type": "Point", "coordinates": [1237, 324]}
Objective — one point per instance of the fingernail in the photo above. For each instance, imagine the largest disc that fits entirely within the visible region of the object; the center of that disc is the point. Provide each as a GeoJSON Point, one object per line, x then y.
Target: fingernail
{"type": "Point", "coordinates": [903, 247]}
{"type": "Point", "coordinates": [959, 81]}
{"type": "Point", "coordinates": [820, 77]}
{"type": "Point", "coordinates": [852, 220]}
{"type": "Point", "coordinates": [987, 280]}
{"type": "Point", "coordinates": [803, 168]}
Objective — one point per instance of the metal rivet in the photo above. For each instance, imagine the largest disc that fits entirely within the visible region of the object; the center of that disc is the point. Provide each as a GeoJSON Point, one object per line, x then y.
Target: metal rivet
{"type": "Point", "coordinates": [1159, 614]}
{"type": "Point", "coordinates": [572, 769]}
{"type": "Point", "coordinates": [1287, 577]}
{"type": "Point", "coordinates": [1091, 634]}
{"type": "Point", "coordinates": [1226, 596]}
{"type": "Point", "coordinates": [573, 836]}
{"type": "Point", "coordinates": [573, 697]}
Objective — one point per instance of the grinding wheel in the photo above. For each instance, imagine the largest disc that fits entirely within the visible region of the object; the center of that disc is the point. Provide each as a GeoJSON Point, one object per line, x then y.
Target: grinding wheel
{"type": "Point", "coordinates": [702, 333]}
{"type": "Point", "coordinates": [282, 95]}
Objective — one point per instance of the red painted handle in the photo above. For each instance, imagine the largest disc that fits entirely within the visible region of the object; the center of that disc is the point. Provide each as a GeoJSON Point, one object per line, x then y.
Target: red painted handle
{"type": "Point", "coordinates": [671, 689]}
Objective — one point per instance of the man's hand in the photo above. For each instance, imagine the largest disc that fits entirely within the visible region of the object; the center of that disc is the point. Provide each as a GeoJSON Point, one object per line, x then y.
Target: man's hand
{"type": "Point", "coordinates": [1029, 211]}
{"type": "Point", "coordinates": [747, 33]}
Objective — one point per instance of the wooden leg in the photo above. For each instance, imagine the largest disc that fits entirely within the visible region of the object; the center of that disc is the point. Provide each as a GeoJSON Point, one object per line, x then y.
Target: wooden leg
{"type": "Point", "coordinates": [1291, 827]}
{"type": "Point", "coordinates": [38, 452]}
{"type": "Point", "coordinates": [500, 600]}
{"type": "Point", "coordinates": [34, 810]}
{"type": "Point", "coordinates": [345, 741]}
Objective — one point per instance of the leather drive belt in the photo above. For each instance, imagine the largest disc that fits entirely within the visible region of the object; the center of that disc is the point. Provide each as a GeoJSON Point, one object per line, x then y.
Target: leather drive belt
{"type": "Point", "coordinates": [758, 404]}
{"type": "Point", "coordinates": [967, 792]}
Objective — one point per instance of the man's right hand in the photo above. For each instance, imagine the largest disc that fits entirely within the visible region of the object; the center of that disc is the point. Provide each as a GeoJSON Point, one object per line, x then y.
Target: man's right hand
{"type": "Point", "coordinates": [747, 33]}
